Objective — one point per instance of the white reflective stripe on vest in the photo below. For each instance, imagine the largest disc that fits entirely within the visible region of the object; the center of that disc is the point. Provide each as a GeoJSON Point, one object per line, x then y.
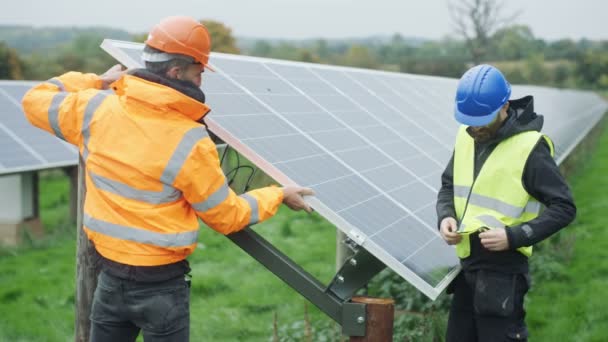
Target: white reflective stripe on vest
{"type": "Point", "coordinates": [90, 109]}
{"type": "Point", "coordinates": [168, 193]}
{"type": "Point", "coordinates": [139, 234]}
{"type": "Point", "coordinates": [253, 204]}
{"type": "Point", "coordinates": [490, 221]}
{"type": "Point", "coordinates": [496, 204]}
{"type": "Point", "coordinates": [53, 113]}
{"type": "Point", "coordinates": [213, 200]}
{"type": "Point", "coordinates": [56, 82]}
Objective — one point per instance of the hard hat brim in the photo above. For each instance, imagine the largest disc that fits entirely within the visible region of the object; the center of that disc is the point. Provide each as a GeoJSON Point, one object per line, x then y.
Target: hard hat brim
{"type": "Point", "coordinates": [475, 120]}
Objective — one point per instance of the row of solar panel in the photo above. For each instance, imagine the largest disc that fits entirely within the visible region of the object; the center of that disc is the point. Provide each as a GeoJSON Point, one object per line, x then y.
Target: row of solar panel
{"type": "Point", "coordinates": [371, 144]}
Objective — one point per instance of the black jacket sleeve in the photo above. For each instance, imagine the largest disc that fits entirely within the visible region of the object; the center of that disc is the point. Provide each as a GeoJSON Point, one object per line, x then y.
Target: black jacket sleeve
{"type": "Point", "coordinates": [543, 181]}
{"type": "Point", "coordinates": [445, 197]}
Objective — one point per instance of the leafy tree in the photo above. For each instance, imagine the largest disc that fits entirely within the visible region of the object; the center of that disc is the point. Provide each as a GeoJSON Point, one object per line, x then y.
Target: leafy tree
{"type": "Point", "coordinates": [139, 37]}
{"type": "Point", "coordinates": [221, 37]}
{"type": "Point", "coordinates": [513, 42]}
{"type": "Point", "coordinates": [536, 71]}
{"type": "Point", "coordinates": [563, 48]}
{"type": "Point", "coordinates": [322, 49]}
{"type": "Point", "coordinates": [11, 66]}
{"type": "Point", "coordinates": [592, 68]}
{"type": "Point", "coordinates": [262, 48]}
{"type": "Point", "coordinates": [360, 56]}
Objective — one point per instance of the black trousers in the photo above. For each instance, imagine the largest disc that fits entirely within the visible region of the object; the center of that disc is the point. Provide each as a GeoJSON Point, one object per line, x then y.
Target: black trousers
{"type": "Point", "coordinates": [122, 308]}
{"type": "Point", "coordinates": [487, 306]}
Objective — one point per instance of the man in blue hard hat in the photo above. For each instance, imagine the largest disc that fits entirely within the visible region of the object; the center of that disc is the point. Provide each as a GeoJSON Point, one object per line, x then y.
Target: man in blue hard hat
{"type": "Point", "coordinates": [489, 206]}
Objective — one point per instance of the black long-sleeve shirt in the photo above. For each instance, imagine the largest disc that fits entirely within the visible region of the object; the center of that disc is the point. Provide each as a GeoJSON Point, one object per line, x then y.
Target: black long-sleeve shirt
{"type": "Point", "coordinates": [541, 179]}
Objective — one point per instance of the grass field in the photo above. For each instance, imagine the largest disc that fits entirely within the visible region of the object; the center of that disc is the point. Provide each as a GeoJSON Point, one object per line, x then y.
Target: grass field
{"type": "Point", "coordinates": [233, 297]}
{"type": "Point", "coordinates": [573, 306]}
{"type": "Point", "coordinates": [236, 299]}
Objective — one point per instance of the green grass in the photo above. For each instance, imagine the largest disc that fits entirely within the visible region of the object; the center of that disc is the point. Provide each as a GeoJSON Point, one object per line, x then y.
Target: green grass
{"type": "Point", "coordinates": [235, 299]}
{"type": "Point", "coordinates": [574, 305]}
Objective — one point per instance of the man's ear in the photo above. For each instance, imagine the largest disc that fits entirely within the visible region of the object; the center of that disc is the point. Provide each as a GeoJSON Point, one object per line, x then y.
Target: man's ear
{"type": "Point", "coordinates": [173, 72]}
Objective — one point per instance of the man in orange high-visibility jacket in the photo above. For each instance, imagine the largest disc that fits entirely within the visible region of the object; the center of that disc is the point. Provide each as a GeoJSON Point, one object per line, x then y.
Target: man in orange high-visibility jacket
{"type": "Point", "coordinates": [151, 172]}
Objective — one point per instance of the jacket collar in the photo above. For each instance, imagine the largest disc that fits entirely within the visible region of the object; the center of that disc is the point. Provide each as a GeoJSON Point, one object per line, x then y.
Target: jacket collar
{"type": "Point", "coordinates": [162, 93]}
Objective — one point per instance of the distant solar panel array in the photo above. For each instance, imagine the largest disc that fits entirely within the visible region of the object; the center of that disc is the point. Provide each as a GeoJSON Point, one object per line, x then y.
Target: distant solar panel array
{"type": "Point", "coordinates": [371, 144]}
{"type": "Point", "coordinates": [24, 147]}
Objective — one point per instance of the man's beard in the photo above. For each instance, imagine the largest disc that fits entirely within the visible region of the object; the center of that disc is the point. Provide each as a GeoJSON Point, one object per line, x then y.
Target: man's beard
{"type": "Point", "coordinates": [487, 133]}
{"type": "Point", "coordinates": [483, 135]}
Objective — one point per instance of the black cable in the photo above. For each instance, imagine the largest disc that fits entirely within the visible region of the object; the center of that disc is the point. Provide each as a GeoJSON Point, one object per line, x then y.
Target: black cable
{"type": "Point", "coordinates": [248, 183]}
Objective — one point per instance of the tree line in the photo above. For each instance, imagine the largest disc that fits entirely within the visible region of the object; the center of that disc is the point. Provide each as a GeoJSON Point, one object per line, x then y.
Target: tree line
{"type": "Point", "coordinates": [524, 58]}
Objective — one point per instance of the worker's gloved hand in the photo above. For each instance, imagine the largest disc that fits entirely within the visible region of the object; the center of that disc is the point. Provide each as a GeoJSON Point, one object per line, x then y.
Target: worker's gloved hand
{"type": "Point", "coordinates": [495, 239]}
{"type": "Point", "coordinates": [447, 229]}
{"type": "Point", "coordinates": [292, 197]}
{"type": "Point", "coordinates": [113, 74]}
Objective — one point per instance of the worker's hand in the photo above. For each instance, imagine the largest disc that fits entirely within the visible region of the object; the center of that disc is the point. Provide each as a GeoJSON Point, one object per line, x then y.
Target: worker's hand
{"type": "Point", "coordinates": [495, 239]}
{"type": "Point", "coordinates": [447, 228]}
{"type": "Point", "coordinates": [292, 197]}
{"type": "Point", "coordinates": [113, 74]}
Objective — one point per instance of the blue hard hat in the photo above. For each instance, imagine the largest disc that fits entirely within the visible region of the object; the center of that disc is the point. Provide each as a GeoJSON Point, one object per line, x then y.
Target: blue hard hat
{"type": "Point", "coordinates": [481, 93]}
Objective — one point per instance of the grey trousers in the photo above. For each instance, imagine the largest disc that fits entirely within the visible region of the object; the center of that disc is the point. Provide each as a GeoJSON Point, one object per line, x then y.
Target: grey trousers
{"type": "Point", "coordinates": [122, 308]}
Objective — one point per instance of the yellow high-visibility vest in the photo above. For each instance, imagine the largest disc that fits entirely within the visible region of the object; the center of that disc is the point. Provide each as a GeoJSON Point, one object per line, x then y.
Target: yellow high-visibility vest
{"type": "Point", "coordinates": [497, 197]}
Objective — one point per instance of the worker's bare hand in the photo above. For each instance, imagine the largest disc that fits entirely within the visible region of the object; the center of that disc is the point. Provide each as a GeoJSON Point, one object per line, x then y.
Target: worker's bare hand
{"type": "Point", "coordinates": [293, 197]}
{"type": "Point", "coordinates": [447, 228]}
{"type": "Point", "coordinates": [113, 74]}
{"type": "Point", "coordinates": [495, 239]}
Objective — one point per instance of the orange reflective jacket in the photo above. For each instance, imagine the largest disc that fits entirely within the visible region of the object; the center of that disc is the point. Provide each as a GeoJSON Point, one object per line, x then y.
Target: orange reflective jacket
{"type": "Point", "coordinates": [151, 169]}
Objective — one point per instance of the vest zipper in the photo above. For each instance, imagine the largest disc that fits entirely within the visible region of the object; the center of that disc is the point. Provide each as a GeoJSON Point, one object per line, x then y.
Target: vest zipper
{"type": "Point", "coordinates": [466, 205]}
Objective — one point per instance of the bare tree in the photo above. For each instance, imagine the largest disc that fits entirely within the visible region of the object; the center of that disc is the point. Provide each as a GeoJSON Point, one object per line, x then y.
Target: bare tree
{"type": "Point", "coordinates": [477, 20]}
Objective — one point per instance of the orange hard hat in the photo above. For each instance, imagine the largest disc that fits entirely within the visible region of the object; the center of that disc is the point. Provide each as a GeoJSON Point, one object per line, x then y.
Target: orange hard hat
{"type": "Point", "coordinates": [182, 35]}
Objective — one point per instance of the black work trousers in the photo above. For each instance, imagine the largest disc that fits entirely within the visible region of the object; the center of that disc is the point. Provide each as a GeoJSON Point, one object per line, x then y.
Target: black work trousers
{"type": "Point", "coordinates": [487, 306]}
{"type": "Point", "coordinates": [122, 308]}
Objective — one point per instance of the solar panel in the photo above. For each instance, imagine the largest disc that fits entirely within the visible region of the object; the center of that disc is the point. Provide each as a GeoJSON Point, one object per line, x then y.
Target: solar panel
{"type": "Point", "coordinates": [372, 145]}
{"type": "Point", "coordinates": [25, 147]}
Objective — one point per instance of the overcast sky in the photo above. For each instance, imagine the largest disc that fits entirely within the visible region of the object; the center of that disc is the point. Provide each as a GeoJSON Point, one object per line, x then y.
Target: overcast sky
{"type": "Point", "coordinates": [549, 19]}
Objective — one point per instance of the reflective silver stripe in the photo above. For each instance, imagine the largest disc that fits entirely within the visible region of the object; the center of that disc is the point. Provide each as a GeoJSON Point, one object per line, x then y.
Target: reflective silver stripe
{"type": "Point", "coordinates": [53, 114]}
{"type": "Point", "coordinates": [461, 191]}
{"type": "Point", "coordinates": [497, 205]}
{"type": "Point", "coordinates": [490, 221]}
{"type": "Point", "coordinates": [166, 195]}
{"type": "Point", "coordinates": [181, 153]}
{"type": "Point", "coordinates": [213, 200]}
{"type": "Point", "coordinates": [253, 204]}
{"type": "Point", "coordinates": [141, 235]}
{"type": "Point", "coordinates": [533, 207]}
{"type": "Point", "coordinates": [57, 83]}
{"type": "Point", "coordinates": [92, 106]}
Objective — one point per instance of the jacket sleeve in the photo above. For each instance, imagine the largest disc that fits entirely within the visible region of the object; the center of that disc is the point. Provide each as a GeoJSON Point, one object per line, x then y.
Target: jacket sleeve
{"type": "Point", "coordinates": [57, 105]}
{"type": "Point", "coordinates": [204, 186]}
{"type": "Point", "coordinates": [543, 181]}
{"type": "Point", "coordinates": [445, 197]}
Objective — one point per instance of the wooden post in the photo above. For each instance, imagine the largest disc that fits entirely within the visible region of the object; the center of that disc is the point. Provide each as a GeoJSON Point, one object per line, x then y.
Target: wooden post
{"type": "Point", "coordinates": [73, 173]}
{"type": "Point", "coordinates": [86, 272]}
{"type": "Point", "coordinates": [380, 314]}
